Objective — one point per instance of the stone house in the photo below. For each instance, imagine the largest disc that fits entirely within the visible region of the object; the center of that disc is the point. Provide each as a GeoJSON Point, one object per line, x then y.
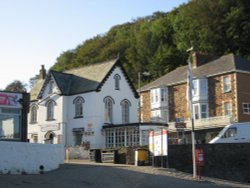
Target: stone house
{"type": "Point", "coordinates": [221, 94]}
{"type": "Point", "coordinates": [94, 105]}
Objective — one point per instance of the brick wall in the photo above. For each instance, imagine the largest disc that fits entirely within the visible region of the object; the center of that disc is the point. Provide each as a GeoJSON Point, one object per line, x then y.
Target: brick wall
{"type": "Point", "coordinates": [243, 94]}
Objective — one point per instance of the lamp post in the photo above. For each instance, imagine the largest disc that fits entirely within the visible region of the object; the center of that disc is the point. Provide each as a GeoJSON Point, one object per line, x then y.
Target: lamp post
{"type": "Point", "coordinates": [190, 102]}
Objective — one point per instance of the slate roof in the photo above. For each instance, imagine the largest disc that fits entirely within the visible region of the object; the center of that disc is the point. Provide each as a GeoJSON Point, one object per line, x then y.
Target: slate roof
{"type": "Point", "coordinates": [81, 80]}
{"type": "Point", "coordinates": [224, 64]}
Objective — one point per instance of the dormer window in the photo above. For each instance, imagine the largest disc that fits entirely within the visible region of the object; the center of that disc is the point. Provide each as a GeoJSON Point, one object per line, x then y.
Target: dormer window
{"type": "Point", "coordinates": [117, 78]}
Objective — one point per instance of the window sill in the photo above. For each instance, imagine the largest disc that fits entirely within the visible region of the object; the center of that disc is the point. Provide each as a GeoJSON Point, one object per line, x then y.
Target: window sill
{"type": "Point", "coordinates": [227, 91]}
{"type": "Point", "coordinates": [78, 117]}
{"type": "Point", "coordinates": [33, 122]}
{"type": "Point", "coordinates": [50, 120]}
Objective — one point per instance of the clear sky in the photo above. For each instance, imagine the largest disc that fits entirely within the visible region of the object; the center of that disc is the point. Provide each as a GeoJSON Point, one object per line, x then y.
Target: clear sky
{"type": "Point", "coordinates": [36, 32]}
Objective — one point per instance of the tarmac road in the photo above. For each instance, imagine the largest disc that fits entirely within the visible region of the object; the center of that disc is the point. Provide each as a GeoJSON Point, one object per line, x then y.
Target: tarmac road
{"type": "Point", "coordinates": [79, 174]}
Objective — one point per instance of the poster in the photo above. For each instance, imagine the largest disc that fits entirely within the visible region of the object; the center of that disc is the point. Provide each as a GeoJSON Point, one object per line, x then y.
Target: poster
{"type": "Point", "coordinates": [158, 142]}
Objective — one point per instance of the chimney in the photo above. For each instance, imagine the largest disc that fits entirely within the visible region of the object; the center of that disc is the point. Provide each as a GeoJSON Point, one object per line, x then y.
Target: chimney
{"type": "Point", "coordinates": [42, 73]}
{"type": "Point", "coordinates": [199, 59]}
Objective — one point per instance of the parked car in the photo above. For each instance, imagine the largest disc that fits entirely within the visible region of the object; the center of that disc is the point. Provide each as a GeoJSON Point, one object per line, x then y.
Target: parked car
{"type": "Point", "coordinates": [233, 133]}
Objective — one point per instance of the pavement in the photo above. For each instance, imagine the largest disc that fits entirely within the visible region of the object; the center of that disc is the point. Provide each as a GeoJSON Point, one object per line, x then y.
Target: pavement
{"type": "Point", "coordinates": [165, 172]}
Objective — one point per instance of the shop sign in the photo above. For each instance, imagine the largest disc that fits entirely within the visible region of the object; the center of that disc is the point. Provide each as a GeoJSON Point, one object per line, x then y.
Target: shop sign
{"type": "Point", "coordinates": [12, 100]}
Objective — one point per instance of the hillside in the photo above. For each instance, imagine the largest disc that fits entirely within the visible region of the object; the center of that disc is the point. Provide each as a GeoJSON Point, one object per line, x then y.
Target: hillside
{"type": "Point", "coordinates": [158, 43]}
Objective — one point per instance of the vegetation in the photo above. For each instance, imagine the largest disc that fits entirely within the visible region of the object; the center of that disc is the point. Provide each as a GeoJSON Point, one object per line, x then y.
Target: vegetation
{"type": "Point", "coordinates": [16, 86]}
{"type": "Point", "coordinates": [158, 43]}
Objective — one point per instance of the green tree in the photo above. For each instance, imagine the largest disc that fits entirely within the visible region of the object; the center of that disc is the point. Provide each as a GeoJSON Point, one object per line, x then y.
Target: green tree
{"type": "Point", "coordinates": [16, 86]}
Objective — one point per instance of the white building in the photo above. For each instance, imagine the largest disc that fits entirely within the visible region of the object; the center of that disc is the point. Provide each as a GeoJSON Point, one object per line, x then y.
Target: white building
{"type": "Point", "coordinates": [95, 105]}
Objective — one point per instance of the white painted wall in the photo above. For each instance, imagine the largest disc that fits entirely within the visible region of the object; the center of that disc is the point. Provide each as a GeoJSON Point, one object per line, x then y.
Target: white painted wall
{"type": "Point", "coordinates": [26, 158]}
{"type": "Point", "coordinates": [93, 112]}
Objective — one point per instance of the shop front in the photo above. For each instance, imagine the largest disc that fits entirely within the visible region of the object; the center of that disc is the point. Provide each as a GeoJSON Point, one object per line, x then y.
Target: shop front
{"type": "Point", "coordinates": [13, 116]}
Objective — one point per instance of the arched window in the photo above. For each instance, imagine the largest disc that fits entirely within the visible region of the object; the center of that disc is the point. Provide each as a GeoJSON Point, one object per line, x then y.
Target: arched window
{"type": "Point", "coordinates": [125, 110]}
{"type": "Point", "coordinates": [108, 105]}
{"type": "Point", "coordinates": [33, 114]}
{"type": "Point", "coordinates": [78, 101]}
{"type": "Point", "coordinates": [50, 109]}
{"type": "Point", "coordinates": [117, 78]}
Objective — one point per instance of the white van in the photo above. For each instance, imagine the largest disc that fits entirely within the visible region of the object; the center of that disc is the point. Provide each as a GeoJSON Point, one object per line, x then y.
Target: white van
{"type": "Point", "coordinates": [233, 133]}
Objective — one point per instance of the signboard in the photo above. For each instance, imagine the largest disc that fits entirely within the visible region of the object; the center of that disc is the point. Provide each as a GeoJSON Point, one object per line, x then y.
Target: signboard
{"type": "Point", "coordinates": [158, 142]}
{"type": "Point", "coordinates": [50, 127]}
{"type": "Point", "coordinates": [180, 125]}
{"type": "Point", "coordinates": [8, 99]}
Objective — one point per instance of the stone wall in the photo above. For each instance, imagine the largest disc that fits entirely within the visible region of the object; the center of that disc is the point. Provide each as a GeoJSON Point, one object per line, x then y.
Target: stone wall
{"type": "Point", "coordinates": [177, 102]}
{"type": "Point", "coordinates": [145, 106]}
{"type": "Point", "coordinates": [217, 97]}
{"type": "Point", "coordinates": [225, 161]}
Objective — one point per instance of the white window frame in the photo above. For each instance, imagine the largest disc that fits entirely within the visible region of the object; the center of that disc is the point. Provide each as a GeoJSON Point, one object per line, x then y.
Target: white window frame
{"type": "Point", "coordinates": [198, 111]}
{"type": "Point", "coordinates": [227, 87]}
{"type": "Point", "coordinates": [195, 87]}
{"type": "Point", "coordinates": [246, 108]}
{"type": "Point", "coordinates": [227, 107]}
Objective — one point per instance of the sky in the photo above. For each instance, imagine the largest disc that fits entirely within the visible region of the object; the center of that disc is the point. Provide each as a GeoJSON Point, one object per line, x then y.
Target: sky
{"type": "Point", "coordinates": [36, 32]}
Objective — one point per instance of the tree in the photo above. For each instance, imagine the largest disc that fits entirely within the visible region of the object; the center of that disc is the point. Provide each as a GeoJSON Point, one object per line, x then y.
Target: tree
{"type": "Point", "coordinates": [16, 86]}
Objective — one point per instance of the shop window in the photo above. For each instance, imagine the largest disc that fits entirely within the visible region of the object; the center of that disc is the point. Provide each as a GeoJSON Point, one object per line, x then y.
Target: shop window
{"type": "Point", "coordinates": [78, 102]}
{"type": "Point", "coordinates": [10, 123]}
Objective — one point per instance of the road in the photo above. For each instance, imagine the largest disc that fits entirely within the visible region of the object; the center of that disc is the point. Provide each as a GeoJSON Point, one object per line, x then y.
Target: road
{"type": "Point", "coordinates": [103, 175]}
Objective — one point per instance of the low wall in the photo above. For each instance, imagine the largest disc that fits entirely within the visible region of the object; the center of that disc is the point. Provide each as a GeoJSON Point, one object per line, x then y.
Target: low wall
{"type": "Point", "coordinates": [29, 158]}
{"type": "Point", "coordinates": [77, 152]}
{"type": "Point", "coordinates": [225, 161]}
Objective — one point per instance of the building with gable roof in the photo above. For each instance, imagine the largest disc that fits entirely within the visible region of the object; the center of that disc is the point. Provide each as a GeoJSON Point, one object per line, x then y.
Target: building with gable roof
{"type": "Point", "coordinates": [94, 105]}
{"type": "Point", "coordinates": [221, 95]}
